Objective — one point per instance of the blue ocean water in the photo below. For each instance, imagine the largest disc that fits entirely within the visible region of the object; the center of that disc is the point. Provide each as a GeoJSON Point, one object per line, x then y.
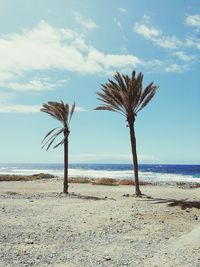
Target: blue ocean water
{"type": "Point", "coordinates": [150, 172]}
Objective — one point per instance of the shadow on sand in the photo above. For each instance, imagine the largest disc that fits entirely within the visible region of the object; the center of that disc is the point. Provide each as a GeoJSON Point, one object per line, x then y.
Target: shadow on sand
{"type": "Point", "coordinates": [182, 203]}
{"type": "Point", "coordinates": [89, 197]}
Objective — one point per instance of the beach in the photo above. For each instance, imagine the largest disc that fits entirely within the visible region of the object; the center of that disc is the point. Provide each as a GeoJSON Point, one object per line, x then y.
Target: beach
{"type": "Point", "coordinates": [103, 226]}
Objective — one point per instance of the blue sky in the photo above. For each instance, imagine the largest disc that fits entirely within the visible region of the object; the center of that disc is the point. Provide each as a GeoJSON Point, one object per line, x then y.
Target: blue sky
{"type": "Point", "coordinates": [53, 50]}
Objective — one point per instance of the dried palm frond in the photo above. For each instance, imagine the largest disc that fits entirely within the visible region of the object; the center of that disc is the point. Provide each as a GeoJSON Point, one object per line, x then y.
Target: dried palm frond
{"type": "Point", "coordinates": [61, 112]}
{"type": "Point", "coordinates": [125, 95]}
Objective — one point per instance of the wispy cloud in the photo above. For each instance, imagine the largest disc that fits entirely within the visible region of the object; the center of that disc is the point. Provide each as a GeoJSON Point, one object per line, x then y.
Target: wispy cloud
{"type": "Point", "coordinates": [118, 23]}
{"type": "Point", "coordinates": [47, 48]}
{"type": "Point", "coordinates": [85, 22]}
{"type": "Point", "coordinates": [13, 108]}
{"type": "Point", "coordinates": [184, 57]}
{"type": "Point", "coordinates": [123, 10]}
{"type": "Point", "coordinates": [35, 84]}
{"type": "Point", "coordinates": [18, 108]}
{"type": "Point", "coordinates": [176, 68]}
{"type": "Point", "coordinates": [146, 18]}
{"type": "Point", "coordinates": [193, 20]}
{"type": "Point", "coordinates": [193, 42]}
{"type": "Point", "coordinates": [5, 96]}
{"type": "Point", "coordinates": [168, 42]}
{"type": "Point", "coordinates": [156, 36]}
{"type": "Point", "coordinates": [146, 31]}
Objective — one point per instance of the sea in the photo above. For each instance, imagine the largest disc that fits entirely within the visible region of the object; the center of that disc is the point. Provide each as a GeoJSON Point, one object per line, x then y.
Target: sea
{"type": "Point", "coordinates": [147, 172]}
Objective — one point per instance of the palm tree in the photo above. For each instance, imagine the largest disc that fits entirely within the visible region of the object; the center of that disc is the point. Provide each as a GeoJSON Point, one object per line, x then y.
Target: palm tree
{"type": "Point", "coordinates": [126, 96]}
{"type": "Point", "coordinates": [63, 113]}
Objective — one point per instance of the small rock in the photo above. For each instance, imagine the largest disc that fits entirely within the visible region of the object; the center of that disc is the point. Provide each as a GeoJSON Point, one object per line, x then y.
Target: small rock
{"type": "Point", "coordinates": [195, 217]}
{"type": "Point", "coordinates": [107, 258]}
{"type": "Point", "coordinates": [29, 241]}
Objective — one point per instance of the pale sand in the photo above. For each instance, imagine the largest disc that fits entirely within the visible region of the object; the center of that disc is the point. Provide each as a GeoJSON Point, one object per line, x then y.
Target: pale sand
{"type": "Point", "coordinates": [39, 227]}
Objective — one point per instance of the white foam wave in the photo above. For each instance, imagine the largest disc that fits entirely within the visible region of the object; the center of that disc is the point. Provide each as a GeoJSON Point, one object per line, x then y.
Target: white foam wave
{"type": "Point", "coordinates": [146, 176]}
{"type": "Point", "coordinates": [126, 174]}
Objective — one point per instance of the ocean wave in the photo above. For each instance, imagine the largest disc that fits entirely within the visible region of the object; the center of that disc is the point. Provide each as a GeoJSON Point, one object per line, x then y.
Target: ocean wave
{"type": "Point", "coordinates": [115, 174]}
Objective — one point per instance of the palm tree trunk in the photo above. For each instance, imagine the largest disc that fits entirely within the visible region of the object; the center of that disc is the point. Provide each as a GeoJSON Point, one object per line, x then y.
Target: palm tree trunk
{"type": "Point", "coordinates": [135, 161]}
{"type": "Point", "coordinates": [65, 182]}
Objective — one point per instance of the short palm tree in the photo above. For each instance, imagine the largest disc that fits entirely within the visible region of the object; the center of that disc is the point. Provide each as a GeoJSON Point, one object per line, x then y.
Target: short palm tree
{"type": "Point", "coordinates": [63, 113]}
{"type": "Point", "coordinates": [126, 96]}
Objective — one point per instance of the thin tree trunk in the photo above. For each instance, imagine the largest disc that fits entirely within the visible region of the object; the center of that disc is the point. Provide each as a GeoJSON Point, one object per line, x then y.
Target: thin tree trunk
{"type": "Point", "coordinates": [65, 183]}
{"type": "Point", "coordinates": [135, 161]}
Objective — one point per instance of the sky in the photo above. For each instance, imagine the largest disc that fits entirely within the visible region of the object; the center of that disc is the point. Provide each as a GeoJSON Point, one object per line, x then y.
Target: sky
{"type": "Point", "coordinates": [65, 49]}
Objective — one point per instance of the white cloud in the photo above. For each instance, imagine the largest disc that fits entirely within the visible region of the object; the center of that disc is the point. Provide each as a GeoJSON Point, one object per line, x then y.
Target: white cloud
{"type": "Point", "coordinates": [146, 18]}
{"type": "Point", "coordinates": [85, 22]}
{"type": "Point", "coordinates": [7, 96]}
{"type": "Point", "coordinates": [153, 63]}
{"type": "Point", "coordinates": [80, 109]}
{"type": "Point", "coordinates": [47, 48]}
{"type": "Point", "coordinates": [175, 68]}
{"type": "Point", "coordinates": [18, 108]}
{"type": "Point", "coordinates": [184, 57]}
{"type": "Point", "coordinates": [146, 31]}
{"type": "Point", "coordinates": [112, 61]}
{"type": "Point", "coordinates": [123, 10]}
{"type": "Point", "coordinates": [193, 20]}
{"type": "Point", "coordinates": [13, 108]}
{"type": "Point", "coordinates": [193, 42]}
{"type": "Point", "coordinates": [168, 42]}
{"type": "Point", "coordinates": [119, 25]}
{"type": "Point", "coordinates": [35, 84]}
{"type": "Point", "coordinates": [156, 36]}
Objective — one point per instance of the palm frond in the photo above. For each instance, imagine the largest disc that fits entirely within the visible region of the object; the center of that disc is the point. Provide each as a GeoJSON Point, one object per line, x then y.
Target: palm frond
{"type": "Point", "coordinates": [53, 137]}
{"type": "Point", "coordinates": [111, 100]}
{"type": "Point", "coordinates": [61, 142]}
{"type": "Point", "coordinates": [148, 98]}
{"type": "Point", "coordinates": [61, 112]}
{"type": "Point", "coordinates": [72, 111]}
{"type": "Point", "coordinates": [125, 95]}
{"type": "Point", "coordinates": [105, 108]}
{"type": "Point", "coordinates": [120, 81]}
{"type": "Point", "coordinates": [49, 133]}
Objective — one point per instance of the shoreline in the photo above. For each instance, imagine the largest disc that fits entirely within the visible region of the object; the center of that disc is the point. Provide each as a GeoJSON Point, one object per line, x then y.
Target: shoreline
{"type": "Point", "coordinates": [147, 172]}
{"type": "Point", "coordinates": [98, 181]}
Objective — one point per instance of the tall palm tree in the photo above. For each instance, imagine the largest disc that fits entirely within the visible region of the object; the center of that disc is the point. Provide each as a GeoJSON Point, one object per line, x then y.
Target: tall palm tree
{"type": "Point", "coordinates": [63, 113]}
{"type": "Point", "coordinates": [126, 96]}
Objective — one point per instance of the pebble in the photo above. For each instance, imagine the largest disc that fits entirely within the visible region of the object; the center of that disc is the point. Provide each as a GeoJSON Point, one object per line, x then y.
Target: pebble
{"type": "Point", "coordinates": [29, 241]}
{"type": "Point", "coordinates": [195, 217]}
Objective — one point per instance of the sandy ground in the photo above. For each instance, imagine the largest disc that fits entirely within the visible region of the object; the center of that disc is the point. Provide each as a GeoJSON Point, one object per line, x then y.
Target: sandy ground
{"type": "Point", "coordinates": [40, 227]}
